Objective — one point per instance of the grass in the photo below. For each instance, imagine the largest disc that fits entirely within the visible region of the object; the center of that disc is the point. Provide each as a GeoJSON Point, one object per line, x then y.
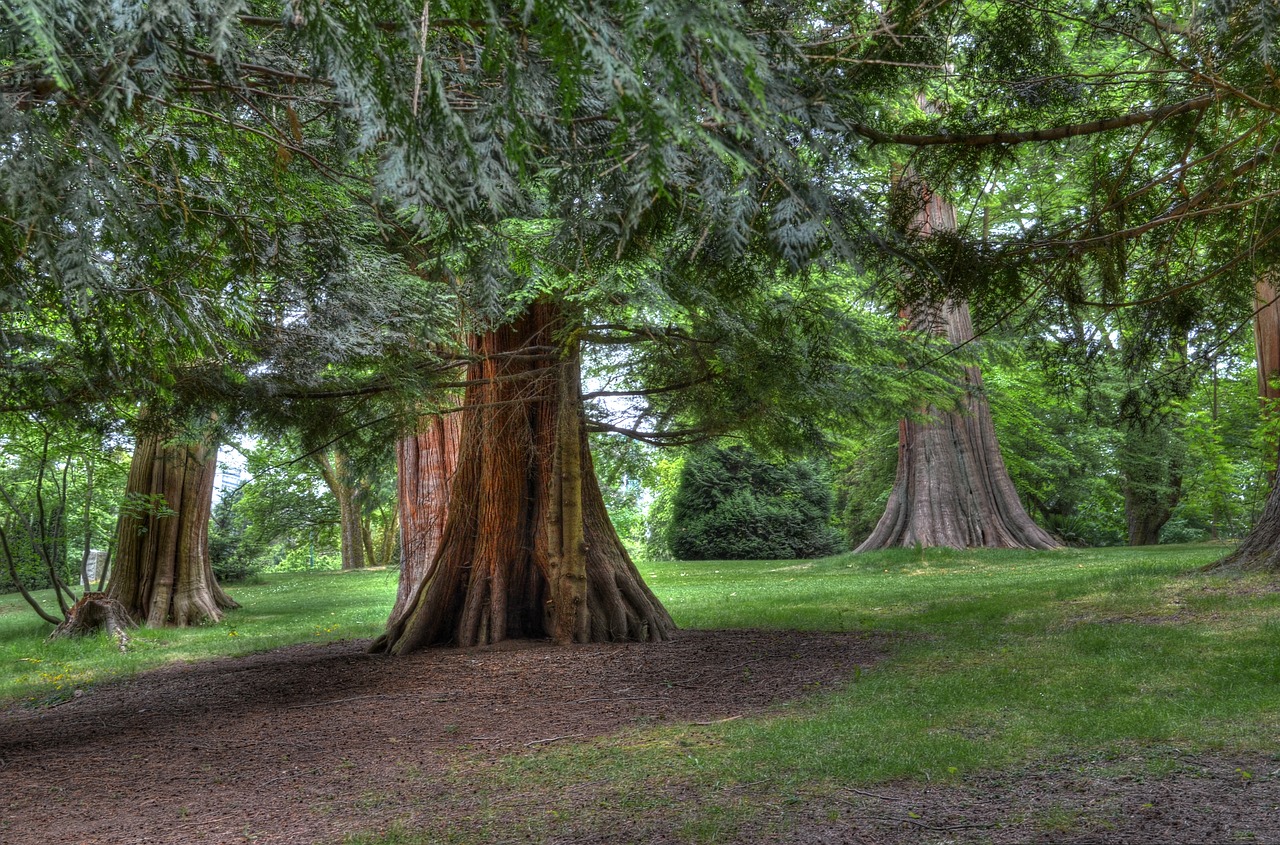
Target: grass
{"type": "Point", "coordinates": [1007, 657]}
{"type": "Point", "coordinates": [1001, 659]}
{"type": "Point", "coordinates": [281, 610]}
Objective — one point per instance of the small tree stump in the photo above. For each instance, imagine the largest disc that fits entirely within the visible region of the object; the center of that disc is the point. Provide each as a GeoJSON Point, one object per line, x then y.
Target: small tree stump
{"type": "Point", "coordinates": [96, 612]}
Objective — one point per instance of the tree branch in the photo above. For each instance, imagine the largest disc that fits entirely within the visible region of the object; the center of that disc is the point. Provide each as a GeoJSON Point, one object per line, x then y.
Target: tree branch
{"type": "Point", "coordinates": [1055, 133]}
{"type": "Point", "coordinates": [682, 437]}
{"type": "Point", "coordinates": [22, 588]}
{"type": "Point", "coordinates": [654, 391]}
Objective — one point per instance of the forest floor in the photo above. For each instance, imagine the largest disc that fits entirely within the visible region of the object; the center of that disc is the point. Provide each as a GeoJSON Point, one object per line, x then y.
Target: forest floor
{"type": "Point", "coordinates": [325, 743]}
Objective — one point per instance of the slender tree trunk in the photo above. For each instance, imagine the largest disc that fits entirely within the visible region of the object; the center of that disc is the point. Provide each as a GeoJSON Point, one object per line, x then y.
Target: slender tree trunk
{"type": "Point", "coordinates": [952, 487]}
{"type": "Point", "coordinates": [386, 545]}
{"type": "Point", "coordinates": [1260, 549]}
{"type": "Point", "coordinates": [525, 527]}
{"type": "Point", "coordinates": [162, 573]}
{"type": "Point", "coordinates": [366, 540]}
{"type": "Point", "coordinates": [337, 477]}
{"type": "Point", "coordinates": [425, 463]}
{"type": "Point", "coordinates": [1152, 481]}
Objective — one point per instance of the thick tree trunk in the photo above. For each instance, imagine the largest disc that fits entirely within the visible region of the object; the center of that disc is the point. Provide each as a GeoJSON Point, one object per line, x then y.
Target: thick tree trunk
{"type": "Point", "coordinates": [1266, 339]}
{"type": "Point", "coordinates": [952, 487]}
{"type": "Point", "coordinates": [425, 463]}
{"type": "Point", "coordinates": [1260, 550]}
{"type": "Point", "coordinates": [337, 477]}
{"type": "Point", "coordinates": [1266, 343]}
{"type": "Point", "coordinates": [1144, 523]}
{"type": "Point", "coordinates": [525, 528]}
{"type": "Point", "coordinates": [162, 573]}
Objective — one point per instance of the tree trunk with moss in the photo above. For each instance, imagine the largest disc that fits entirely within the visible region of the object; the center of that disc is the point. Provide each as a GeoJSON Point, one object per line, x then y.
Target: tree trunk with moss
{"type": "Point", "coordinates": [952, 487]}
{"type": "Point", "coordinates": [162, 574]}
{"type": "Point", "coordinates": [527, 549]}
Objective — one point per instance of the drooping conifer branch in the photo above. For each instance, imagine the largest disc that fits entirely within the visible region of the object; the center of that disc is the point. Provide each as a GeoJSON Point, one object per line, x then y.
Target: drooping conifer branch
{"type": "Point", "coordinates": [1054, 133]}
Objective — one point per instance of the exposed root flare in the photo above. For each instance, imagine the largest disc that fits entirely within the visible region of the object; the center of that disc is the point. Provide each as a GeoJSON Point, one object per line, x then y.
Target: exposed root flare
{"type": "Point", "coordinates": [527, 549]}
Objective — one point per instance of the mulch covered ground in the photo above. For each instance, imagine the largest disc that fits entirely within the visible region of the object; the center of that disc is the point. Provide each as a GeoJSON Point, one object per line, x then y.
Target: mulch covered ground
{"type": "Point", "coordinates": [309, 743]}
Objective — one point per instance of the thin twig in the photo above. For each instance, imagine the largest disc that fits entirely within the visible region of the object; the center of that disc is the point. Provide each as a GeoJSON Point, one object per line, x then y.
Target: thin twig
{"type": "Point", "coordinates": [871, 794]}
{"type": "Point", "coordinates": [719, 721]}
{"type": "Point", "coordinates": [552, 739]}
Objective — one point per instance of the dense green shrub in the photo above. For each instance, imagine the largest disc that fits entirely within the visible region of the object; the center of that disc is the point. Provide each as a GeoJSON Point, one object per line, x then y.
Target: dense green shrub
{"type": "Point", "coordinates": [731, 504]}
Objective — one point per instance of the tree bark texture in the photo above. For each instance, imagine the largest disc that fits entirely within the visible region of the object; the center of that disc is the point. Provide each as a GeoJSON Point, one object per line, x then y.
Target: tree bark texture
{"type": "Point", "coordinates": [522, 553]}
{"type": "Point", "coordinates": [425, 464]}
{"type": "Point", "coordinates": [952, 487]}
{"type": "Point", "coordinates": [1152, 481]}
{"type": "Point", "coordinates": [1266, 338]}
{"type": "Point", "coordinates": [92, 613]}
{"type": "Point", "coordinates": [162, 572]}
{"type": "Point", "coordinates": [336, 472]}
{"type": "Point", "coordinates": [1260, 550]}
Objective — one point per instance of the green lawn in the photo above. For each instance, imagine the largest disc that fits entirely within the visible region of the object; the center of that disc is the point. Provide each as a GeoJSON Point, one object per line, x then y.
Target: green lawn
{"type": "Point", "coordinates": [1008, 656]}
{"type": "Point", "coordinates": [284, 609]}
{"type": "Point", "coordinates": [1001, 658]}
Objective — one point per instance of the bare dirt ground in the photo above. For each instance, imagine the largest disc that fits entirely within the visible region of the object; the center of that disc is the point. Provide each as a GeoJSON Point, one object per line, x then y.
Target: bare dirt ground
{"type": "Point", "coordinates": [311, 743]}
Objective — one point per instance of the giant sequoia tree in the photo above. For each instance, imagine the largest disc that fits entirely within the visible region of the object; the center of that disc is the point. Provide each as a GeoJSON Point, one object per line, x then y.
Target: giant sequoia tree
{"type": "Point", "coordinates": [951, 487]}
{"type": "Point", "coordinates": [162, 573]}
{"type": "Point", "coordinates": [527, 548]}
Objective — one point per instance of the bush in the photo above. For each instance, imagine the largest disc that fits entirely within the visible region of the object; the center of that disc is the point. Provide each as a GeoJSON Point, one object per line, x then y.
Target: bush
{"type": "Point", "coordinates": [732, 505]}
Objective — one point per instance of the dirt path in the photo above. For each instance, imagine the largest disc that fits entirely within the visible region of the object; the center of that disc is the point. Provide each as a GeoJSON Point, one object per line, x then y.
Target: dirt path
{"type": "Point", "coordinates": [307, 743]}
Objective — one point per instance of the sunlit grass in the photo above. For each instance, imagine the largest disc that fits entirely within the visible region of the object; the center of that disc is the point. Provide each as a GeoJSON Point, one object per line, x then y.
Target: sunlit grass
{"type": "Point", "coordinates": [283, 609]}
{"type": "Point", "coordinates": [997, 660]}
{"type": "Point", "coordinates": [1124, 657]}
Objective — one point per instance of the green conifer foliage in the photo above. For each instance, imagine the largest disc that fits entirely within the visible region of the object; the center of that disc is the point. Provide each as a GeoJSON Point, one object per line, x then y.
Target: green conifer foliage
{"type": "Point", "coordinates": [734, 505]}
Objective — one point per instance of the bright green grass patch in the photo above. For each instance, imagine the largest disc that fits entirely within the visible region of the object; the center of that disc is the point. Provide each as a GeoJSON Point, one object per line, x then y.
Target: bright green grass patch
{"type": "Point", "coordinates": [283, 609]}
{"type": "Point", "coordinates": [998, 659]}
{"type": "Point", "coordinates": [1003, 659]}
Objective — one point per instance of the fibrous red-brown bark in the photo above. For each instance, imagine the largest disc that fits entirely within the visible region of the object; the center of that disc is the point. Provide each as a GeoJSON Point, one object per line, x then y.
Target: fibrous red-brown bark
{"type": "Point", "coordinates": [952, 487]}
{"type": "Point", "coordinates": [507, 566]}
{"type": "Point", "coordinates": [1266, 338]}
{"type": "Point", "coordinates": [162, 573]}
{"type": "Point", "coordinates": [425, 463]}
